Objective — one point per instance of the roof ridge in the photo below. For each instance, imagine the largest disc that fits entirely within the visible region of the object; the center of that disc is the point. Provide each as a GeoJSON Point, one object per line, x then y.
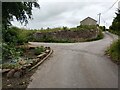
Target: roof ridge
{"type": "Point", "coordinates": [90, 18]}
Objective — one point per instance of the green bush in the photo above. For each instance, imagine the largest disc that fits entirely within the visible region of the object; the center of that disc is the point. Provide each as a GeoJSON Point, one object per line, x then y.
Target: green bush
{"type": "Point", "coordinates": [39, 50]}
{"type": "Point", "coordinates": [10, 35]}
{"type": "Point", "coordinates": [17, 36]}
{"type": "Point", "coordinates": [10, 52]}
{"type": "Point", "coordinates": [100, 35]}
{"type": "Point", "coordinates": [103, 28]}
{"type": "Point", "coordinates": [13, 37]}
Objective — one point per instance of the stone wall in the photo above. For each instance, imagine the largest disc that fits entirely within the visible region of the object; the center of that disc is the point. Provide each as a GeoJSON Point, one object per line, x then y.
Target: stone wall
{"type": "Point", "coordinates": [68, 34]}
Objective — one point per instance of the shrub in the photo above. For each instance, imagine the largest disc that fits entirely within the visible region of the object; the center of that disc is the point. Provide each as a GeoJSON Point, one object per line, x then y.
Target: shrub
{"type": "Point", "coordinates": [10, 52]}
{"type": "Point", "coordinates": [17, 36]}
{"type": "Point", "coordinates": [100, 35]}
{"type": "Point", "coordinates": [103, 28]}
{"type": "Point", "coordinates": [10, 35]}
{"type": "Point", "coordinates": [39, 50]}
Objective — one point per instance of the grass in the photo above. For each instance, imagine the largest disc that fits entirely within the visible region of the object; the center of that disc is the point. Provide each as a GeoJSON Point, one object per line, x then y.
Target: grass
{"type": "Point", "coordinates": [82, 27]}
{"type": "Point", "coordinates": [10, 66]}
{"type": "Point", "coordinates": [114, 51]}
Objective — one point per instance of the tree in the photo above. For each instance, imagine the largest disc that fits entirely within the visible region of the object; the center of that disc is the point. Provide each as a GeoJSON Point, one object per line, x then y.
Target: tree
{"type": "Point", "coordinates": [118, 16]}
{"type": "Point", "coordinates": [20, 10]}
{"type": "Point", "coordinates": [116, 23]}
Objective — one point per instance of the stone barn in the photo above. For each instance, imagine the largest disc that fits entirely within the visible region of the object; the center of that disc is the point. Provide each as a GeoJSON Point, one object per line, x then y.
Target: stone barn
{"type": "Point", "coordinates": [88, 21]}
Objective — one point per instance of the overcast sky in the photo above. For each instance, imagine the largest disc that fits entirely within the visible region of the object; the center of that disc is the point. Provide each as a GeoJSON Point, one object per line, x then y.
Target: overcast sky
{"type": "Point", "coordinates": [54, 13]}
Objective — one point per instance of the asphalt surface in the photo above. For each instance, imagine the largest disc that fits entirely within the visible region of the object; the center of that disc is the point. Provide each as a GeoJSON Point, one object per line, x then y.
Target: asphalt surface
{"type": "Point", "coordinates": [77, 65]}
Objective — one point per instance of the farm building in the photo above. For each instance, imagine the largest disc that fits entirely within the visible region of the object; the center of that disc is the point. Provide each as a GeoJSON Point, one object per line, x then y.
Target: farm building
{"type": "Point", "coordinates": [88, 21]}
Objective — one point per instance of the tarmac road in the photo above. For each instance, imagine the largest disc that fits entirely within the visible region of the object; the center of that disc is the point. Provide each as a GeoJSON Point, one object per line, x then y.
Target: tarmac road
{"type": "Point", "coordinates": [77, 65]}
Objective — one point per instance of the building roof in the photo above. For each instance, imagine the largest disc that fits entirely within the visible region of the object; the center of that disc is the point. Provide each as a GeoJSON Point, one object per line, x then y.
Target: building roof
{"type": "Point", "coordinates": [90, 18]}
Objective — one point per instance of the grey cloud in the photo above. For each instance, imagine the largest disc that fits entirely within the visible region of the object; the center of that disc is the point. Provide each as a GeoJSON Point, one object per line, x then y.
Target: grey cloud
{"type": "Point", "coordinates": [68, 13]}
{"type": "Point", "coordinates": [52, 10]}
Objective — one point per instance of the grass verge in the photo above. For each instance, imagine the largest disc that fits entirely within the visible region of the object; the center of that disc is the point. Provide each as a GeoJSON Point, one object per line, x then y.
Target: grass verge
{"type": "Point", "coordinates": [114, 51]}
